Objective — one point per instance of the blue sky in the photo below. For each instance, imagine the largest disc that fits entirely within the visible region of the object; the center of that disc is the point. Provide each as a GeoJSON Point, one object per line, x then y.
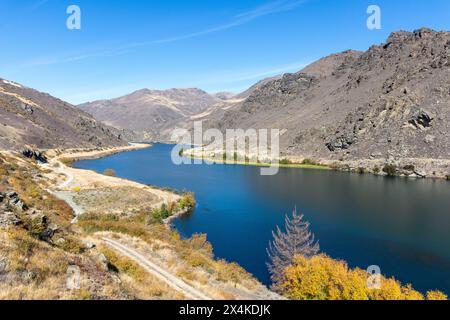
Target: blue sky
{"type": "Point", "coordinates": [211, 44]}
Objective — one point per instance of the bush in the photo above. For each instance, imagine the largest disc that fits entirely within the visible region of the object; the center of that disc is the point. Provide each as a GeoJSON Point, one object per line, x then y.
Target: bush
{"type": "Point", "coordinates": [436, 295]}
{"type": "Point", "coordinates": [323, 278]}
{"type": "Point", "coordinates": [285, 161]}
{"type": "Point", "coordinates": [308, 162]}
{"type": "Point", "coordinates": [187, 201]}
{"type": "Point", "coordinates": [68, 162]}
{"type": "Point", "coordinates": [123, 264]}
{"type": "Point", "coordinates": [390, 170]}
{"type": "Point", "coordinates": [110, 172]}
{"type": "Point", "coordinates": [71, 245]}
{"type": "Point", "coordinates": [409, 167]}
{"type": "Point", "coordinates": [360, 170]}
{"type": "Point", "coordinates": [161, 213]}
{"type": "Point", "coordinates": [376, 170]}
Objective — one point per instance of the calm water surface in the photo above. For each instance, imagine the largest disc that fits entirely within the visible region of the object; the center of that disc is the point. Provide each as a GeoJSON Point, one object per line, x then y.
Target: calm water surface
{"type": "Point", "coordinates": [401, 225]}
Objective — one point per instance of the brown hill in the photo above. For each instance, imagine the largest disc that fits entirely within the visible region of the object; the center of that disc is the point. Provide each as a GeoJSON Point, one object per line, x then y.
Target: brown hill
{"type": "Point", "coordinates": [29, 117]}
{"type": "Point", "coordinates": [392, 101]}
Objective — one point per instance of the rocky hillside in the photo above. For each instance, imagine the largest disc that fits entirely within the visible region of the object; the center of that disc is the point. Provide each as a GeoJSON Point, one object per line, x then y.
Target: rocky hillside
{"type": "Point", "coordinates": [154, 113]}
{"type": "Point", "coordinates": [390, 102]}
{"type": "Point", "coordinates": [29, 117]}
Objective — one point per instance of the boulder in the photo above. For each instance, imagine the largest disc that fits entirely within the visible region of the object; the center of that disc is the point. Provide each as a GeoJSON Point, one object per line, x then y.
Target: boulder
{"type": "Point", "coordinates": [9, 219]}
{"type": "Point", "coordinates": [36, 155]}
{"type": "Point", "coordinates": [341, 143]}
{"type": "Point", "coordinates": [89, 245]}
{"type": "Point", "coordinates": [40, 227]}
{"type": "Point", "coordinates": [422, 119]}
{"type": "Point", "coordinates": [14, 200]}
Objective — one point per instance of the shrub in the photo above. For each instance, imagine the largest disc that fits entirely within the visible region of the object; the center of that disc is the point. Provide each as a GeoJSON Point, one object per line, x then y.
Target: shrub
{"type": "Point", "coordinates": [323, 278]}
{"type": "Point", "coordinates": [187, 201]}
{"type": "Point", "coordinates": [285, 161]}
{"type": "Point", "coordinates": [447, 177]}
{"type": "Point", "coordinates": [195, 259]}
{"type": "Point", "coordinates": [361, 170]}
{"type": "Point", "coordinates": [390, 170]}
{"type": "Point", "coordinates": [109, 173]}
{"type": "Point", "coordinates": [67, 162]}
{"type": "Point", "coordinates": [436, 295]}
{"type": "Point", "coordinates": [376, 170]}
{"type": "Point", "coordinates": [308, 162]}
{"type": "Point", "coordinates": [199, 242]}
{"type": "Point", "coordinates": [161, 213]}
{"type": "Point", "coordinates": [230, 272]}
{"type": "Point", "coordinates": [409, 167]}
{"type": "Point", "coordinates": [71, 245]}
{"type": "Point", "coordinates": [123, 264]}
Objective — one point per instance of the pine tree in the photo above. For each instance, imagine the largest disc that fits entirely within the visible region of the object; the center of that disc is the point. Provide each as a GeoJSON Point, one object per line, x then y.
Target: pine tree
{"type": "Point", "coordinates": [297, 240]}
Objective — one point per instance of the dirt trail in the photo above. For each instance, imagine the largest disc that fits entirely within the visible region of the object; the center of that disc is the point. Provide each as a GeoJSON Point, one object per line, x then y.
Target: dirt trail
{"type": "Point", "coordinates": [76, 179]}
{"type": "Point", "coordinates": [168, 278]}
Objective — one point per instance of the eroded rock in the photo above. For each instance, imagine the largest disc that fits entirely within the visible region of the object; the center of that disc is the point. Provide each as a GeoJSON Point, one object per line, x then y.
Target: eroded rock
{"type": "Point", "coordinates": [422, 119]}
{"type": "Point", "coordinates": [36, 155]}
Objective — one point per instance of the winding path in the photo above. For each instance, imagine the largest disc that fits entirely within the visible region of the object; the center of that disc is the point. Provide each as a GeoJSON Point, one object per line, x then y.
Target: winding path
{"type": "Point", "coordinates": [171, 280]}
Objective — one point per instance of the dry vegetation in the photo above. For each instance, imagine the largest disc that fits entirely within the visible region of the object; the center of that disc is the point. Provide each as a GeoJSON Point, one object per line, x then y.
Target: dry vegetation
{"type": "Point", "coordinates": [34, 264]}
{"type": "Point", "coordinates": [114, 199]}
{"type": "Point", "coordinates": [323, 278]}
{"type": "Point", "coordinates": [190, 259]}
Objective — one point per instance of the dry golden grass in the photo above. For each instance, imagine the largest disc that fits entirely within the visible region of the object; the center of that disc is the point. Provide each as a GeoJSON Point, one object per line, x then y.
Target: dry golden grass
{"type": "Point", "coordinates": [38, 270]}
{"type": "Point", "coordinates": [115, 200]}
{"type": "Point", "coordinates": [139, 283]}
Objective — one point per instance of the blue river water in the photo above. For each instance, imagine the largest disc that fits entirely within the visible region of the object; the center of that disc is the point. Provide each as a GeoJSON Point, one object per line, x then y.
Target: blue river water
{"type": "Point", "coordinates": [401, 225]}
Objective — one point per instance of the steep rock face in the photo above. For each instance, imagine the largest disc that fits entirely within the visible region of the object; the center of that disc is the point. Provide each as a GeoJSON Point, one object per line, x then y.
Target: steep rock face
{"type": "Point", "coordinates": [391, 101]}
{"type": "Point", "coordinates": [156, 113]}
{"type": "Point", "coordinates": [29, 117]}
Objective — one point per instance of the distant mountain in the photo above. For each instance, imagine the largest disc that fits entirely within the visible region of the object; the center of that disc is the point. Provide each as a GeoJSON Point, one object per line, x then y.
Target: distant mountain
{"type": "Point", "coordinates": [155, 114]}
{"type": "Point", "coordinates": [390, 102]}
{"type": "Point", "coordinates": [31, 118]}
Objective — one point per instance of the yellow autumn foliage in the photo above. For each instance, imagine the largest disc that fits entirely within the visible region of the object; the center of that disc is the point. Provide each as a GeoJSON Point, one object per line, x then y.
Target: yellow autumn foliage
{"type": "Point", "coordinates": [323, 278]}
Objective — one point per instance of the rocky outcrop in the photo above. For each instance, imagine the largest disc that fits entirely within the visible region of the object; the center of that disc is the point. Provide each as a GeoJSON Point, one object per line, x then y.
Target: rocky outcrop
{"type": "Point", "coordinates": [12, 199]}
{"type": "Point", "coordinates": [35, 155]}
{"type": "Point", "coordinates": [32, 118]}
{"type": "Point", "coordinates": [390, 101]}
{"type": "Point", "coordinates": [422, 119]}
{"type": "Point", "coordinates": [9, 219]}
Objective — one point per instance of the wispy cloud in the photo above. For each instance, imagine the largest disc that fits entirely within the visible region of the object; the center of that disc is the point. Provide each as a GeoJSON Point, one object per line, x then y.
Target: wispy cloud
{"type": "Point", "coordinates": [237, 20]}
{"type": "Point", "coordinates": [38, 4]}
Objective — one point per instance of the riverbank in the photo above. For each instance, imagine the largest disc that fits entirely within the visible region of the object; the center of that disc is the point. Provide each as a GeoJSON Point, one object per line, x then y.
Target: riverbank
{"type": "Point", "coordinates": [259, 164]}
{"type": "Point", "coordinates": [71, 155]}
{"type": "Point", "coordinates": [235, 199]}
{"type": "Point", "coordinates": [91, 191]}
{"type": "Point", "coordinates": [395, 167]}
{"type": "Point", "coordinates": [130, 213]}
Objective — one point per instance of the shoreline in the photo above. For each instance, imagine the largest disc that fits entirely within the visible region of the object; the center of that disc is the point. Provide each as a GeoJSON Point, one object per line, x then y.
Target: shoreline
{"type": "Point", "coordinates": [73, 174]}
{"type": "Point", "coordinates": [411, 168]}
{"type": "Point", "coordinates": [260, 164]}
{"type": "Point", "coordinates": [92, 154]}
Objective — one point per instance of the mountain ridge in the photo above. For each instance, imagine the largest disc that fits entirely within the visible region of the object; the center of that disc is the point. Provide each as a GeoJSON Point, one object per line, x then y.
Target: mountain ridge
{"type": "Point", "coordinates": [155, 113]}
{"type": "Point", "coordinates": [38, 120]}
